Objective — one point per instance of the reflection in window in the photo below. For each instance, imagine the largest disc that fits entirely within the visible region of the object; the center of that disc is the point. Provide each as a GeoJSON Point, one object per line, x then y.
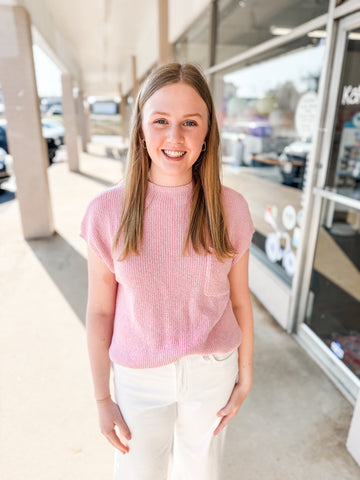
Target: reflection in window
{"type": "Point", "coordinates": [193, 45]}
{"type": "Point", "coordinates": [344, 171]}
{"type": "Point", "coordinates": [244, 24]}
{"type": "Point", "coordinates": [333, 311]}
{"type": "Point", "coordinates": [266, 113]}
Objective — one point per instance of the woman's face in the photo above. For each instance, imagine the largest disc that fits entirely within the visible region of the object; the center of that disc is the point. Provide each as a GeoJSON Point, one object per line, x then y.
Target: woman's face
{"type": "Point", "coordinates": [174, 127]}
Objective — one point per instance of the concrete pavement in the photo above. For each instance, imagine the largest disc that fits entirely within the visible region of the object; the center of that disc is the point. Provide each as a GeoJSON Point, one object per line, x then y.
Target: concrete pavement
{"type": "Point", "coordinates": [293, 426]}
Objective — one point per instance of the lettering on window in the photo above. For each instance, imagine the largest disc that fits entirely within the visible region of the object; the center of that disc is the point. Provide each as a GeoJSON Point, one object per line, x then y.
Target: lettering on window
{"type": "Point", "coordinates": [351, 95]}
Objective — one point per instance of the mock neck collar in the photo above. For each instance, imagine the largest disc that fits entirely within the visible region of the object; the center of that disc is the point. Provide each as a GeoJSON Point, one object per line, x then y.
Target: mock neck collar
{"type": "Point", "coordinates": [181, 192]}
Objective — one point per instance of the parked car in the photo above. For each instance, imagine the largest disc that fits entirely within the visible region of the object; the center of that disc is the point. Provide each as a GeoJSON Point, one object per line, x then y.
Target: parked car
{"type": "Point", "coordinates": [53, 141]}
{"type": "Point", "coordinates": [53, 129]}
{"type": "Point", "coordinates": [4, 176]}
{"type": "Point", "coordinates": [55, 109]}
{"type": "Point", "coordinates": [3, 140]}
{"type": "Point", "coordinates": [53, 132]}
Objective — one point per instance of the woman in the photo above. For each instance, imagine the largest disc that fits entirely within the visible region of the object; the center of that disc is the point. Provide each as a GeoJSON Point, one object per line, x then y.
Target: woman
{"type": "Point", "coordinates": [168, 299]}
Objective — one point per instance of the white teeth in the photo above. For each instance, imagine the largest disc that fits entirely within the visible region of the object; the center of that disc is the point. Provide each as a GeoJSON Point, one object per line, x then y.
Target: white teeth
{"type": "Point", "coordinates": [170, 153]}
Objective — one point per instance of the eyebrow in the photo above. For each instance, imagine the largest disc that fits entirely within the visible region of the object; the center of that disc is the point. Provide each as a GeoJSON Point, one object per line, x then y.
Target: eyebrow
{"type": "Point", "coordinates": [184, 116]}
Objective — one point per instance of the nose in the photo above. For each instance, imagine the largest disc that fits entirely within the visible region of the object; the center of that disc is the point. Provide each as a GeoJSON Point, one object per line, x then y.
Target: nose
{"type": "Point", "coordinates": [175, 134]}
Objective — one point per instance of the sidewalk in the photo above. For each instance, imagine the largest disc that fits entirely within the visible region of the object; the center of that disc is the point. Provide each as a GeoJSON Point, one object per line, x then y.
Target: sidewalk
{"type": "Point", "coordinates": [293, 426]}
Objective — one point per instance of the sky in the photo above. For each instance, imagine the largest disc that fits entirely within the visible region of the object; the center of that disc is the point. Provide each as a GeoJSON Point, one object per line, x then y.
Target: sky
{"type": "Point", "coordinates": [256, 80]}
{"type": "Point", "coordinates": [48, 76]}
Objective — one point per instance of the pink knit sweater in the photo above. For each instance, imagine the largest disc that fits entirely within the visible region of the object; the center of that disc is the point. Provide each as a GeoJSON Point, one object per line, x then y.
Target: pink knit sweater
{"type": "Point", "coordinates": [168, 305]}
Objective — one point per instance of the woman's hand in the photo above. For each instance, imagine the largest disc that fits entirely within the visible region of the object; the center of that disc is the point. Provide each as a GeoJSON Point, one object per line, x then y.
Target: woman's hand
{"type": "Point", "coordinates": [228, 412]}
{"type": "Point", "coordinates": [109, 418]}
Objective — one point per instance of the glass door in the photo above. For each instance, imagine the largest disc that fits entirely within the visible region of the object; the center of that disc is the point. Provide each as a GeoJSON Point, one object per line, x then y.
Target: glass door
{"type": "Point", "coordinates": [332, 313]}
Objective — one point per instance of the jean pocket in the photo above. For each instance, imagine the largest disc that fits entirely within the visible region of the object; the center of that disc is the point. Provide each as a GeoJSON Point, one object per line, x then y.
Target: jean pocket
{"type": "Point", "coordinates": [220, 357]}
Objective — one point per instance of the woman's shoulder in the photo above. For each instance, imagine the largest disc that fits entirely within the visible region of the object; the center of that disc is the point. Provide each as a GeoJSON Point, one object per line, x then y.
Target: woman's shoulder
{"type": "Point", "coordinates": [239, 221]}
{"type": "Point", "coordinates": [110, 197]}
{"type": "Point", "coordinates": [232, 199]}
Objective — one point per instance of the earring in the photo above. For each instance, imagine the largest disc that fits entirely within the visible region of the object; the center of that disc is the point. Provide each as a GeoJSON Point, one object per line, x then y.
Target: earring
{"type": "Point", "coordinates": [204, 147]}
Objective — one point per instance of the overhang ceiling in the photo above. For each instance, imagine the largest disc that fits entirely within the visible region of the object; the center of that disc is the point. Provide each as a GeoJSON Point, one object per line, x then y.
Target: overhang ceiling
{"type": "Point", "coordinates": [95, 40]}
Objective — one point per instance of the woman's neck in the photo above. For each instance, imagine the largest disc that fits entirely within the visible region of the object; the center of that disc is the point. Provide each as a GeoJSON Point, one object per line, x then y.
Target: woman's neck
{"type": "Point", "coordinates": [165, 181]}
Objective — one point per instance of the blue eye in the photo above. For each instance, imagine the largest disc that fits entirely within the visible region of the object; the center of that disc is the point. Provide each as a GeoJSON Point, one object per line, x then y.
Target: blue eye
{"type": "Point", "coordinates": [160, 121]}
{"type": "Point", "coordinates": [190, 123]}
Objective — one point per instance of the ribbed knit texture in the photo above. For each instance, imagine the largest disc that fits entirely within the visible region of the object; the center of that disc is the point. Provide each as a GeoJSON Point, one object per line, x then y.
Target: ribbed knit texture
{"type": "Point", "coordinates": [168, 305]}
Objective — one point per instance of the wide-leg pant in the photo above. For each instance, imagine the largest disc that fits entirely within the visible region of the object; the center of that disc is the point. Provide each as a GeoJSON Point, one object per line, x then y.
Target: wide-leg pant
{"type": "Point", "coordinates": [171, 413]}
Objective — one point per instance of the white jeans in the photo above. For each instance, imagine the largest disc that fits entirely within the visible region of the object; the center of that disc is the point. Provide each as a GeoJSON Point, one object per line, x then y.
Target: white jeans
{"type": "Point", "coordinates": [171, 412]}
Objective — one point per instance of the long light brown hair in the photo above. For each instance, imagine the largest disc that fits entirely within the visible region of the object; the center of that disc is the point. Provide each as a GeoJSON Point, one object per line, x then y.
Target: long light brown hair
{"type": "Point", "coordinates": [207, 228]}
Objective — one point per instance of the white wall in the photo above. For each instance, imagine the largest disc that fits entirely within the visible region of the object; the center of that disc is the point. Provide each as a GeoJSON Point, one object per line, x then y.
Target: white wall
{"type": "Point", "coordinates": [182, 14]}
{"type": "Point", "coordinates": [270, 290]}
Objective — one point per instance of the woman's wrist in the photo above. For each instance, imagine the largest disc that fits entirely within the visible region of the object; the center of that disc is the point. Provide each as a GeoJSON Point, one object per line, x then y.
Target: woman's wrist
{"type": "Point", "coordinates": [244, 385]}
{"type": "Point", "coordinates": [103, 399]}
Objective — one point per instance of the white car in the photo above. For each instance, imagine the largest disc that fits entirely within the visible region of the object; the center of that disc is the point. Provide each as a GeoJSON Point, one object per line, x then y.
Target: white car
{"type": "Point", "coordinates": [4, 176]}
{"type": "Point", "coordinates": [53, 129]}
{"type": "Point", "coordinates": [55, 109]}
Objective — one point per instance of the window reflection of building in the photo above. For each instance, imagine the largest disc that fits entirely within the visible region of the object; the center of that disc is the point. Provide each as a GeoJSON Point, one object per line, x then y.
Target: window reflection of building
{"type": "Point", "coordinates": [334, 299]}
{"type": "Point", "coordinates": [333, 311]}
{"type": "Point", "coordinates": [257, 116]}
{"type": "Point", "coordinates": [344, 170]}
{"type": "Point", "coordinates": [193, 45]}
{"type": "Point", "coordinates": [244, 24]}
{"type": "Point", "coordinates": [265, 113]}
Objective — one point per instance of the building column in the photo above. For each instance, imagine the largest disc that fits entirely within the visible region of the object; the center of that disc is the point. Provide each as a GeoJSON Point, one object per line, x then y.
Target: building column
{"type": "Point", "coordinates": [70, 122]}
{"type": "Point", "coordinates": [24, 130]}
{"type": "Point", "coordinates": [134, 78]}
{"type": "Point", "coordinates": [163, 26]}
{"type": "Point", "coordinates": [123, 126]}
{"type": "Point", "coordinates": [213, 32]}
{"type": "Point", "coordinates": [213, 40]}
{"type": "Point", "coordinates": [353, 440]}
{"type": "Point", "coordinates": [82, 121]}
{"type": "Point", "coordinates": [87, 113]}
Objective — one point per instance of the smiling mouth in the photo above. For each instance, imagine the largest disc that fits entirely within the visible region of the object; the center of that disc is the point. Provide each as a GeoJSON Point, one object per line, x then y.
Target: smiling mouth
{"type": "Point", "coordinates": [174, 154]}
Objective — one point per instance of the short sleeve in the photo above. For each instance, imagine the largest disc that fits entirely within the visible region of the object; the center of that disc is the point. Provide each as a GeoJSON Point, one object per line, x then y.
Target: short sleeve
{"type": "Point", "coordinates": [95, 230]}
{"type": "Point", "coordinates": [239, 222]}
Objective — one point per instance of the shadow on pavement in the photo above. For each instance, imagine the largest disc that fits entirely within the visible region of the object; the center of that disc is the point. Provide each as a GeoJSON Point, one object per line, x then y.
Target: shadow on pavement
{"type": "Point", "coordinates": [67, 269]}
{"type": "Point", "coordinates": [112, 153]}
{"type": "Point", "coordinates": [6, 195]}
{"type": "Point", "coordinates": [102, 181]}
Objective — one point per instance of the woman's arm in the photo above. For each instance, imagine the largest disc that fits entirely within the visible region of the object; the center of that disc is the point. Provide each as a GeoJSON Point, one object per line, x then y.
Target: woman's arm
{"type": "Point", "coordinates": [100, 312]}
{"type": "Point", "coordinates": [241, 304]}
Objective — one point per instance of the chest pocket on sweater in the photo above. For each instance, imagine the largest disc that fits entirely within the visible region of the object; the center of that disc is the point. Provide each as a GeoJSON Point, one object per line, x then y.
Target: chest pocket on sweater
{"type": "Point", "coordinates": [216, 278]}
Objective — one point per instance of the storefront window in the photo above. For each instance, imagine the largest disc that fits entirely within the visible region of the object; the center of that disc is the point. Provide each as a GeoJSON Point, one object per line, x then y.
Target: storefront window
{"type": "Point", "coordinates": [344, 172]}
{"type": "Point", "coordinates": [266, 113]}
{"type": "Point", "coordinates": [244, 24]}
{"type": "Point", "coordinates": [333, 311]}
